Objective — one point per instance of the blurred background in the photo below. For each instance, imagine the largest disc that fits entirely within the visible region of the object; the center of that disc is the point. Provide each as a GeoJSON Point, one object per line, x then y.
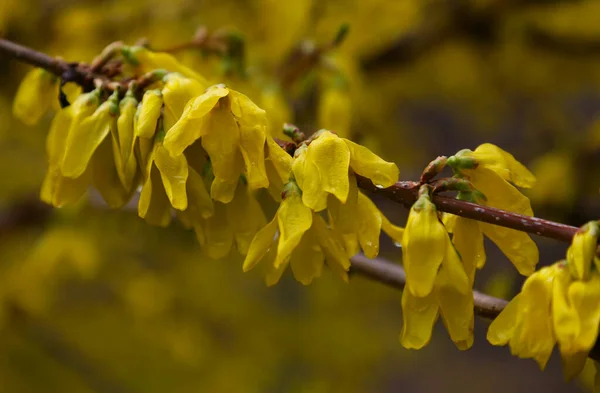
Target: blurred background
{"type": "Point", "coordinates": [93, 300]}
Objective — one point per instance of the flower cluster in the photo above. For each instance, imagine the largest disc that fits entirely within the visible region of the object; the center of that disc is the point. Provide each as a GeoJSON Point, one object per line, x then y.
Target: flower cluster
{"type": "Point", "coordinates": [558, 304]}
{"type": "Point", "coordinates": [201, 152]}
{"type": "Point", "coordinates": [441, 254]}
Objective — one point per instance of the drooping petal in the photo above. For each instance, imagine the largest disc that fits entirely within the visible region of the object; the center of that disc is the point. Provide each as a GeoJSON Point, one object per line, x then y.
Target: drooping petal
{"type": "Point", "coordinates": [582, 251]}
{"type": "Point", "coordinates": [154, 206]}
{"type": "Point", "coordinates": [343, 219]}
{"type": "Point", "coordinates": [499, 193]}
{"type": "Point", "coordinates": [147, 114]}
{"type": "Point", "coordinates": [504, 164]}
{"type": "Point", "coordinates": [218, 233]}
{"type": "Point", "coordinates": [174, 175]}
{"type": "Point", "coordinates": [332, 247]}
{"type": "Point", "coordinates": [328, 156]}
{"type": "Point", "coordinates": [468, 240]}
{"type": "Point", "coordinates": [452, 273]}
{"type": "Point", "coordinates": [584, 297]}
{"type": "Point", "coordinates": [503, 326]}
{"type": "Point", "coordinates": [262, 242]}
{"type": "Point", "coordinates": [307, 259]}
{"type": "Point", "coordinates": [177, 92]}
{"type": "Point", "coordinates": [369, 225]}
{"type": "Point", "coordinates": [518, 247]}
{"type": "Point", "coordinates": [245, 216]}
{"type": "Point", "coordinates": [419, 314]}
{"type": "Point", "coordinates": [35, 95]}
{"type": "Point", "coordinates": [423, 247]}
{"type": "Point", "coordinates": [191, 126]}
{"type": "Point", "coordinates": [395, 232]}
{"type": "Point", "coordinates": [564, 316]}
{"type": "Point", "coordinates": [200, 205]}
{"type": "Point", "coordinates": [105, 177]}
{"type": "Point", "coordinates": [294, 220]}
{"type": "Point", "coordinates": [456, 310]}
{"type": "Point", "coordinates": [366, 163]}
{"type": "Point", "coordinates": [308, 177]}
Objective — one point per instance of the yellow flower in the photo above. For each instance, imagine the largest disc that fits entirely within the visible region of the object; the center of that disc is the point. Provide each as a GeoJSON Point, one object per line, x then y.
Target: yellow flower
{"type": "Point", "coordinates": [321, 167]}
{"type": "Point", "coordinates": [424, 246]}
{"type": "Point", "coordinates": [89, 127]}
{"type": "Point", "coordinates": [148, 60]}
{"type": "Point", "coordinates": [232, 130]}
{"type": "Point", "coordinates": [359, 222]}
{"type": "Point", "coordinates": [526, 322]}
{"type": "Point", "coordinates": [236, 223]}
{"type": "Point", "coordinates": [298, 237]}
{"type": "Point", "coordinates": [451, 297]}
{"type": "Point", "coordinates": [335, 110]}
{"type": "Point", "coordinates": [165, 185]}
{"type": "Point", "coordinates": [582, 251]}
{"type": "Point", "coordinates": [36, 93]}
{"type": "Point", "coordinates": [57, 189]}
{"type": "Point", "coordinates": [492, 157]}
{"type": "Point", "coordinates": [490, 169]}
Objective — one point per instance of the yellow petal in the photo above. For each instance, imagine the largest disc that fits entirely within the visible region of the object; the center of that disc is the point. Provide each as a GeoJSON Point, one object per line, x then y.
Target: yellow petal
{"type": "Point", "coordinates": [369, 225]}
{"type": "Point", "coordinates": [148, 113]}
{"type": "Point", "coordinates": [200, 206]}
{"type": "Point", "coordinates": [191, 126]}
{"type": "Point", "coordinates": [222, 145]}
{"type": "Point", "coordinates": [219, 234]}
{"type": "Point", "coordinates": [252, 147]}
{"type": "Point", "coordinates": [174, 174]}
{"type": "Point", "coordinates": [503, 163]}
{"type": "Point", "coordinates": [498, 192]}
{"type": "Point", "coordinates": [307, 259]}
{"type": "Point", "coordinates": [337, 259]}
{"type": "Point", "coordinates": [253, 132]}
{"type": "Point", "coordinates": [294, 220]}
{"type": "Point", "coordinates": [518, 247]}
{"type": "Point", "coordinates": [60, 191]}
{"type": "Point", "coordinates": [343, 219]}
{"type": "Point", "coordinates": [452, 273]}
{"type": "Point", "coordinates": [177, 92]}
{"type": "Point", "coordinates": [395, 232]}
{"type": "Point", "coordinates": [273, 273]}
{"type": "Point", "coordinates": [308, 177]}
{"type": "Point", "coordinates": [365, 163]}
{"type": "Point", "coordinates": [582, 251]}
{"type": "Point", "coordinates": [329, 157]}
{"type": "Point", "coordinates": [280, 159]}
{"type": "Point", "coordinates": [105, 177]}
{"type": "Point", "coordinates": [419, 314]}
{"type": "Point", "coordinates": [84, 139]}
{"type": "Point", "coordinates": [584, 297]}
{"type": "Point", "coordinates": [564, 316]}
{"type": "Point", "coordinates": [503, 326]}
{"type": "Point", "coordinates": [423, 247]}
{"type": "Point", "coordinates": [55, 141]}
{"type": "Point", "coordinates": [456, 310]}
{"type": "Point", "coordinates": [245, 216]}
{"type": "Point", "coordinates": [468, 240]}
{"type": "Point", "coordinates": [35, 95]}
{"type": "Point", "coordinates": [536, 339]}
{"type": "Point", "coordinates": [262, 242]}
{"type": "Point", "coordinates": [154, 206]}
